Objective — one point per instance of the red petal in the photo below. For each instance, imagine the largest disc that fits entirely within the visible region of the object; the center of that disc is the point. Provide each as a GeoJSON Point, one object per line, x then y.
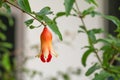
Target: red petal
{"type": "Point", "coordinates": [49, 57]}
{"type": "Point", "coordinates": [42, 58]}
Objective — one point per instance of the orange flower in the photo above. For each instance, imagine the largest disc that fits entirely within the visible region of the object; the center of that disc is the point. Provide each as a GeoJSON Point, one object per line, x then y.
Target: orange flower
{"type": "Point", "coordinates": [46, 46]}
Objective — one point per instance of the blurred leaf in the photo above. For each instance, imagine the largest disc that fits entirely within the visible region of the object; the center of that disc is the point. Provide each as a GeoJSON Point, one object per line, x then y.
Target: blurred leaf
{"type": "Point", "coordinates": [85, 56]}
{"type": "Point", "coordinates": [3, 26]}
{"type": "Point", "coordinates": [53, 26]}
{"type": "Point", "coordinates": [2, 36]}
{"type": "Point", "coordinates": [1, 1]}
{"type": "Point", "coordinates": [7, 7]}
{"type": "Point", "coordinates": [92, 1]}
{"type": "Point", "coordinates": [6, 45]}
{"type": "Point", "coordinates": [32, 27]}
{"type": "Point", "coordinates": [66, 76]}
{"type": "Point", "coordinates": [91, 36]}
{"type": "Point", "coordinates": [103, 75]}
{"type": "Point", "coordinates": [80, 31]}
{"type": "Point", "coordinates": [10, 20]}
{"type": "Point", "coordinates": [92, 69]}
{"type": "Point", "coordinates": [24, 4]}
{"type": "Point", "coordinates": [29, 22]}
{"type": "Point", "coordinates": [88, 11]}
{"type": "Point", "coordinates": [60, 14]}
{"type": "Point", "coordinates": [6, 62]}
{"type": "Point", "coordinates": [44, 11]}
{"type": "Point", "coordinates": [114, 19]}
{"type": "Point", "coordinates": [68, 6]}
{"type": "Point", "coordinates": [97, 30]}
{"type": "Point", "coordinates": [82, 27]}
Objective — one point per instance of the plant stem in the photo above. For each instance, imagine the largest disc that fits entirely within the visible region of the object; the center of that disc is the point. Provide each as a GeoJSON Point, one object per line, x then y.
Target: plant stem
{"type": "Point", "coordinates": [24, 12]}
{"type": "Point", "coordinates": [80, 16]}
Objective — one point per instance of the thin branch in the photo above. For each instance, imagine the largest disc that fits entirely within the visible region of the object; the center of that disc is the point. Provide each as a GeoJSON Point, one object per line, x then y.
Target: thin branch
{"type": "Point", "coordinates": [24, 12]}
{"type": "Point", "coordinates": [80, 16]}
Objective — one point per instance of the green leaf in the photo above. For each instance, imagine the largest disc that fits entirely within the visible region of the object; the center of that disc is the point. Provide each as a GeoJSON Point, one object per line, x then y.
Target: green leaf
{"type": "Point", "coordinates": [44, 11]}
{"type": "Point", "coordinates": [2, 36]}
{"type": "Point", "coordinates": [29, 22]}
{"type": "Point", "coordinates": [3, 26]}
{"type": "Point", "coordinates": [114, 19]}
{"type": "Point", "coordinates": [96, 31]}
{"type": "Point", "coordinates": [85, 56]}
{"type": "Point", "coordinates": [6, 45]}
{"type": "Point", "coordinates": [91, 36]}
{"type": "Point", "coordinates": [92, 69]}
{"type": "Point", "coordinates": [5, 5]}
{"type": "Point", "coordinates": [103, 75]}
{"type": "Point", "coordinates": [53, 26]}
{"type": "Point", "coordinates": [82, 27]}
{"type": "Point", "coordinates": [32, 27]}
{"type": "Point", "coordinates": [24, 4]}
{"type": "Point", "coordinates": [6, 62]}
{"type": "Point", "coordinates": [92, 1]}
{"type": "Point", "coordinates": [68, 6]}
{"type": "Point", "coordinates": [88, 11]}
{"type": "Point", "coordinates": [60, 14]}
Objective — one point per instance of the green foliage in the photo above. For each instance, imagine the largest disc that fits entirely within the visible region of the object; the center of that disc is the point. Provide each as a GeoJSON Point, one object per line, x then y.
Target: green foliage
{"type": "Point", "coordinates": [7, 7]}
{"type": "Point", "coordinates": [6, 62]}
{"type": "Point", "coordinates": [103, 75]}
{"type": "Point", "coordinates": [68, 6]}
{"type": "Point", "coordinates": [45, 11]}
{"type": "Point", "coordinates": [85, 55]}
{"type": "Point", "coordinates": [29, 22]}
{"type": "Point", "coordinates": [24, 4]}
{"type": "Point", "coordinates": [92, 1]}
{"type": "Point", "coordinates": [59, 14]}
{"type": "Point", "coordinates": [110, 48]}
{"type": "Point", "coordinates": [42, 16]}
{"type": "Point", "coordinates": [89, 11]}
{"type": "Point", "coordinates": [92, 69]}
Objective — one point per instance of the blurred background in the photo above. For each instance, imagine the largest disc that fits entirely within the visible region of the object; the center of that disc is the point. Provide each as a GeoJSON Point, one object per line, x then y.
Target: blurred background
{"type": "Point", "coordinates": [21, 62]}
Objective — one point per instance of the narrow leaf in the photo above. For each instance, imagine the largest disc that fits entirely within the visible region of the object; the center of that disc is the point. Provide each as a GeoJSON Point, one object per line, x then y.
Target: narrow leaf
{"type": "Point", "coordinates": [92, 1]}
{"type": "Point", "coordinates": [60, 14]}
{"type": "Point", "coordinates": [6, 62]}
{"type": "Point", "coordinates": [68, 6]}
{"type": "Point", "coordinates": [85, 56]}
{"type": "Point", "coordinates": [88, 11]}
{"type": "Point", "coordinates": [6, 45]}
{"type": "Point", "coordinates": [24, 4]}
{"type": "Point", "coordinates": [2, 36]}
{"type": "Point", "coordinates": [31, 27]}
{"type": "Point", "coordinates": [92, 37]}
{"type": "Point", "coordinates": [3, 26]}
{"type": "Point", "coordinates": [92, 69]}
{"type": "Point", "coordinates": [5, 5]}
{"type": "Point", "coordinates": [45, 11]}
{"type": "Point", "coordinates": [103, 75]}
{"type": "Point", "coordinates": [29, 22]}
{"type": "Point", "coordinates": [114, 19]}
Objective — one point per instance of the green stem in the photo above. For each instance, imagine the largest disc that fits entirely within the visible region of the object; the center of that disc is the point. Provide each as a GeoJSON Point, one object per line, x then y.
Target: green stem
{"type": "Point", "coordinates": [80, 16]}
{"type": "Point", "coordinates": [25, 12]}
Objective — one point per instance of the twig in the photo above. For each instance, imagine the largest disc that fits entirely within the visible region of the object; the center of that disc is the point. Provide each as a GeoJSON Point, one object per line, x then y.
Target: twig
{"type": "Point", "coordinates": [80, 16]}
{"type": "Point", "coordinates": [24, 12]}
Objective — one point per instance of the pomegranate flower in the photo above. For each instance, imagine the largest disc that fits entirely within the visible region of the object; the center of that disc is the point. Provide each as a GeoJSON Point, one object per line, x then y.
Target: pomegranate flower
{"type": "Point", "coordinates": [46, 51]}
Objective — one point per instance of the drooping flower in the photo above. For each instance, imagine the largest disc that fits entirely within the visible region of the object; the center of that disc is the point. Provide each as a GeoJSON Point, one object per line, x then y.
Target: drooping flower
{"type": "Point", "coordinates": [46, 51]}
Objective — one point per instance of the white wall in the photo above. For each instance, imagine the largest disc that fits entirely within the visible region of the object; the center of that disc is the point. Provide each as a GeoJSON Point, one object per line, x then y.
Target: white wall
{"type": "Point", "coordinates": [69, 53]}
